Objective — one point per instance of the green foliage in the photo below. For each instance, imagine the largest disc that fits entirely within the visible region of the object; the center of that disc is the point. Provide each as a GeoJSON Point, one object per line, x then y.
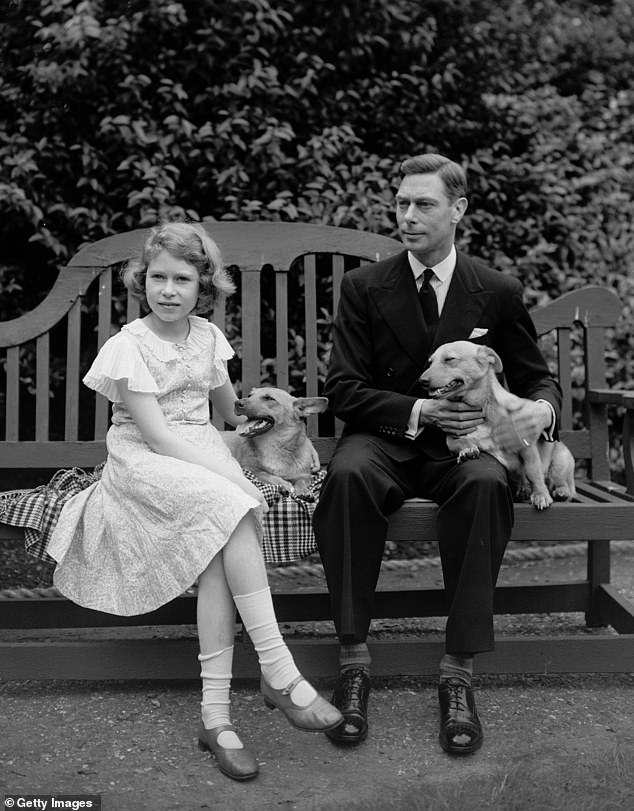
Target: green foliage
{"type": "Point", "coordinates": [115, 114]}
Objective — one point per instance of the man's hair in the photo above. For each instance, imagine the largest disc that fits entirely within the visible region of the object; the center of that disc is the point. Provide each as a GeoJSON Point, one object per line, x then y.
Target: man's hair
{"type": "Point", "coordinates": [451, 173]}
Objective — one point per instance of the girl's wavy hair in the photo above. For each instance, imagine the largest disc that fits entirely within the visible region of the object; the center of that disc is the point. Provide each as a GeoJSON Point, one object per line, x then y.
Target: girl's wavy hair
{"type": "Point", "coordinates": [191, 243]}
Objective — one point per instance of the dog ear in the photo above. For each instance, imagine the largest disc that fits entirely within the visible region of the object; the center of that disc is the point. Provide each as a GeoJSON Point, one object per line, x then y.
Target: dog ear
{"type": "Point", "coordinates": [486, 355]}
{"type": "Point", "coordinates": [310, 405]}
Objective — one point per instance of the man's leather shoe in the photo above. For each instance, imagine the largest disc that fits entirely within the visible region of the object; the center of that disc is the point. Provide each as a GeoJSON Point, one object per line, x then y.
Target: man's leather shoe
{"type": "Point", "coordinates": [350, 696]}
{"type": "Point", "coordinates": [460, 728]}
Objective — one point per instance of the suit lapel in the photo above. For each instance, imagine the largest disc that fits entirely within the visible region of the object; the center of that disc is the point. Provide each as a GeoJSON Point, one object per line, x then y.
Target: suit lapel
{"type": "Point", "coordinates": [397, 301]}
{"type": "Point", "coordinates": [465, 302]}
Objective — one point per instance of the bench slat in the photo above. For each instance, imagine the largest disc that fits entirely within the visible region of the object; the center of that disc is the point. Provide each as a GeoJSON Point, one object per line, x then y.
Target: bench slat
{"type": "Point", "coordinates": [282, 376]}
{"type": "Point", "coordinates": [219, 319]}
{"type": "Point", "coordinates": [53, 455]}
{"type": "Point", "coordinates": [312, 348]}
{"type": "Point", "coordinates": [304, 606]}
{"type": "Point", "coordinates": [13, 394]}
{"type": "Point", "coordinates": [317, 658]}
{"type": "Point", "coordinates": [42, 363]}
{"type": "Point", "coordinates": [250, 343]}
{"type": "Point", "coordinates": [102, 405]}
{"type": "Point", "coordinates": [578, 441]}
{"type": "Point", "coordinates": [561, 522]}
{"type": "Point", "coordinates": [564, 374]}
{"type": "Point", "coordinates": [73, 346]}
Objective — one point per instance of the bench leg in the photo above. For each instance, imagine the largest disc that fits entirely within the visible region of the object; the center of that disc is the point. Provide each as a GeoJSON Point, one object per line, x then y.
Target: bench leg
{"type": "Point", "coordinates": [598, 574]}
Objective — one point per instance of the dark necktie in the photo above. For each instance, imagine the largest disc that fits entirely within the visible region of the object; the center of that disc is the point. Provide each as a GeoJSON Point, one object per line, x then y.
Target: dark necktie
{"type": "Point", "coordinates": [429, 303]}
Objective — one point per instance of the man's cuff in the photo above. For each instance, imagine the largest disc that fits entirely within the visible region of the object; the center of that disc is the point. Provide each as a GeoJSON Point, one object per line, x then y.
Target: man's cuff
{"type": "Point", "coordinates": [413, 428]}
{"type": "Point", "coordinates": [549, 432]}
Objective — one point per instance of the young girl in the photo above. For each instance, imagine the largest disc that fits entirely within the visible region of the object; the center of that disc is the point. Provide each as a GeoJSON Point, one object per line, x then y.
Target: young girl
{"type": "Point", "coordinates": [172, 505]}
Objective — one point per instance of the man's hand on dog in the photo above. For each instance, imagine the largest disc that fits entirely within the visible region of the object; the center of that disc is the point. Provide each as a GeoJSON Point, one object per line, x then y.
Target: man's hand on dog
{"type": "Point", "coordinates": [526, 422]}
{"type": "Point", "coordinates": [452, 417]}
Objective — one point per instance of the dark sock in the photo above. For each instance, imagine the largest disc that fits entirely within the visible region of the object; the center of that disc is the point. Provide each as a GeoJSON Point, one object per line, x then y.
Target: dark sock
{"type": "Point", "coordinates": [354, 656]}
{"type": "Point", "coordinates": [457, 666]}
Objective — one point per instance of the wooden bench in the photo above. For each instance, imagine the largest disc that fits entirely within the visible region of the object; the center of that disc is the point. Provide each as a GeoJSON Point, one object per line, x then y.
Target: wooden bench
{"type": "Point", "coordinates": [280, 266]}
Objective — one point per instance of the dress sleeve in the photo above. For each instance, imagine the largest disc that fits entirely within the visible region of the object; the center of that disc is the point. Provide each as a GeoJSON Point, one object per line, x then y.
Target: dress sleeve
{"type": "Point", "coordinates": [221, 354]}
{"type": "Point", "coordinates": [120, 359]}
{"type": "Point", "coordinates": [223, 350]}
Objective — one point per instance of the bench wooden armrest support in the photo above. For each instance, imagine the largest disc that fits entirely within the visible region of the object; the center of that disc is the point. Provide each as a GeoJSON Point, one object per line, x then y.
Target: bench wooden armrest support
{"type": "Point", "coordinates": [624, 399]}
{"type": "Point", "coordinates": [49, 420]}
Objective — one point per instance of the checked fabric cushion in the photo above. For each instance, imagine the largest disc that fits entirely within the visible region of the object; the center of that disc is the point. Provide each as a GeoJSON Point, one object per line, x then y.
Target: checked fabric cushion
{"type": "Point", "coordinates": [288, 532]}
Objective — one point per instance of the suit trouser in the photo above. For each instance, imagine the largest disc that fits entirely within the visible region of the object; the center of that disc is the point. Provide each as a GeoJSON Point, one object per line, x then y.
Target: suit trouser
{"type": "Point", "coordinates": [366, 481]}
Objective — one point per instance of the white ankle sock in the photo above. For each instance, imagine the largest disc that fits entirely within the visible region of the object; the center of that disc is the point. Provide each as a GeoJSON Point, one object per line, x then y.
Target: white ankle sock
{"type": "Point", "coordinates": [216, 675]}
{"type": "Point", "coordinates": [277, 665]}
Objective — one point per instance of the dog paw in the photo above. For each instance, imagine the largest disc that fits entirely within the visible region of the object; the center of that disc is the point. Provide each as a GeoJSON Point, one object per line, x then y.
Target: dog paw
{"type": "Point", "coordinates": [523, 493]}
{"type": "Point", "coordinates": [541, 501]}
{"type": "Point", "coordinates": [468, 453]}
{"type": "Point", "coordinates": [561, 493]}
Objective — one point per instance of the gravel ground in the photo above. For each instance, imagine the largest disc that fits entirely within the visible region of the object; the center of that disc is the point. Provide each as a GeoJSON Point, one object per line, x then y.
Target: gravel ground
{"type": "Point", "coordinates": [134, 744]}
{"type": "Point", "coordinates": [559, 742]}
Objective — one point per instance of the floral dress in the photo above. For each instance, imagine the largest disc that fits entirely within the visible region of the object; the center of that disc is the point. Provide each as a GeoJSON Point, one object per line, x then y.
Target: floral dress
{"type": "Point", "coordinates": [142, 534]}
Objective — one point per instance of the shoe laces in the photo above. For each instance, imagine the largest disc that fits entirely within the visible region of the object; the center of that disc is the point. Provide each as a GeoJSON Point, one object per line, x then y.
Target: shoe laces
{"type": "Point", "coordinates": [456, 695]}
{"type": "Point", "coordinates": [354, 683]}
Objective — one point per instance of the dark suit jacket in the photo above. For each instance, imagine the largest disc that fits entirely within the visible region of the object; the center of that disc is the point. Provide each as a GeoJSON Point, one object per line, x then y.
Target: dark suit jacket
{"type": "Point", "coordinates": [380, 345]}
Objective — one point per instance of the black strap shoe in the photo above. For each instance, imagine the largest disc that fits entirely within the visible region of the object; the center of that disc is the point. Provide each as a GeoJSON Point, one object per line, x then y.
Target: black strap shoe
{"type": "Point", "coordinates": [460, 728]}
{"type": "Point", "coordinates": [350, 697]}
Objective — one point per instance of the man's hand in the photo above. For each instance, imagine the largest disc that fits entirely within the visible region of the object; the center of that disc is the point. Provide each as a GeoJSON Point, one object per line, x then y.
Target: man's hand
{"type": "Point", "coordinates": [526, 422]}
{"type": "Point", "coordinates": [452, 417]}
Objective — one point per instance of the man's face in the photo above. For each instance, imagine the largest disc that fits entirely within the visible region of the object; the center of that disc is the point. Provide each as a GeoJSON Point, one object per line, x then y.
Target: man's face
{"type": "Point", "coordinates": [426, 217]}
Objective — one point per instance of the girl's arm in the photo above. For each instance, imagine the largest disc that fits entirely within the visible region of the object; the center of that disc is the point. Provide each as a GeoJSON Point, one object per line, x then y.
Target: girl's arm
{"type": "Point", "coordinates": [150, 420]}
{"type": "Point", "coordinates": [223, 399]}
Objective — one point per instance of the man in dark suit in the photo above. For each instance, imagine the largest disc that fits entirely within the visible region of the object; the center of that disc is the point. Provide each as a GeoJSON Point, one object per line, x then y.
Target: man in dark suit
{"type": "Point", "coordinates": [391, 316]}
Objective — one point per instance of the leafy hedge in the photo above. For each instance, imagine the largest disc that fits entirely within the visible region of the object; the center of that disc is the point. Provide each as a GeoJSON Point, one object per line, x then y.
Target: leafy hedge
{"type": "Point", "coordinates": [117, 113]}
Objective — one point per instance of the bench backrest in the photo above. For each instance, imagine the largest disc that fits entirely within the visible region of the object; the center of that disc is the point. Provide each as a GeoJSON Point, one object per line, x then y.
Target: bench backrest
{"type": "Point", "coordinates": [289, 276]}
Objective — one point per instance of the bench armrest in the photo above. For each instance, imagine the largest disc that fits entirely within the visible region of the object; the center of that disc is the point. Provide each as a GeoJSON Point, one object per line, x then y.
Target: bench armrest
{"type": "Point", "coordinates": [618, 397]}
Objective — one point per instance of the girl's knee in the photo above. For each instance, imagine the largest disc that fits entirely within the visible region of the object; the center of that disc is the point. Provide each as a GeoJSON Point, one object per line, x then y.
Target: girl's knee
{"type": "Point", "coordinates": [214, 569]}
{"type": "Point", "coordinates": [246, 528]}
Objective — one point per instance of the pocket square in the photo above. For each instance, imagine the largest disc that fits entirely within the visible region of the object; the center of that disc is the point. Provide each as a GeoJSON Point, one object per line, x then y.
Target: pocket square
{"type": "Point", "coordinates": [477, 333]}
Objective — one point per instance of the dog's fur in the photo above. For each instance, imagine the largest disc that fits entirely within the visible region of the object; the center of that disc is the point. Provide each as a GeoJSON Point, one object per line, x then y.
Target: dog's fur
{"type": "Point", "coordinates": [273, 443]}
{"type": "Point", "coordinates": [466, 371]}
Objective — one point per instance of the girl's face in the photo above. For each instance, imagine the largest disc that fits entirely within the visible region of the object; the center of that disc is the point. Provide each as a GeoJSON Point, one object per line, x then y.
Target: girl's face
{"type": "Point", "coordinates": [171, 287]}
